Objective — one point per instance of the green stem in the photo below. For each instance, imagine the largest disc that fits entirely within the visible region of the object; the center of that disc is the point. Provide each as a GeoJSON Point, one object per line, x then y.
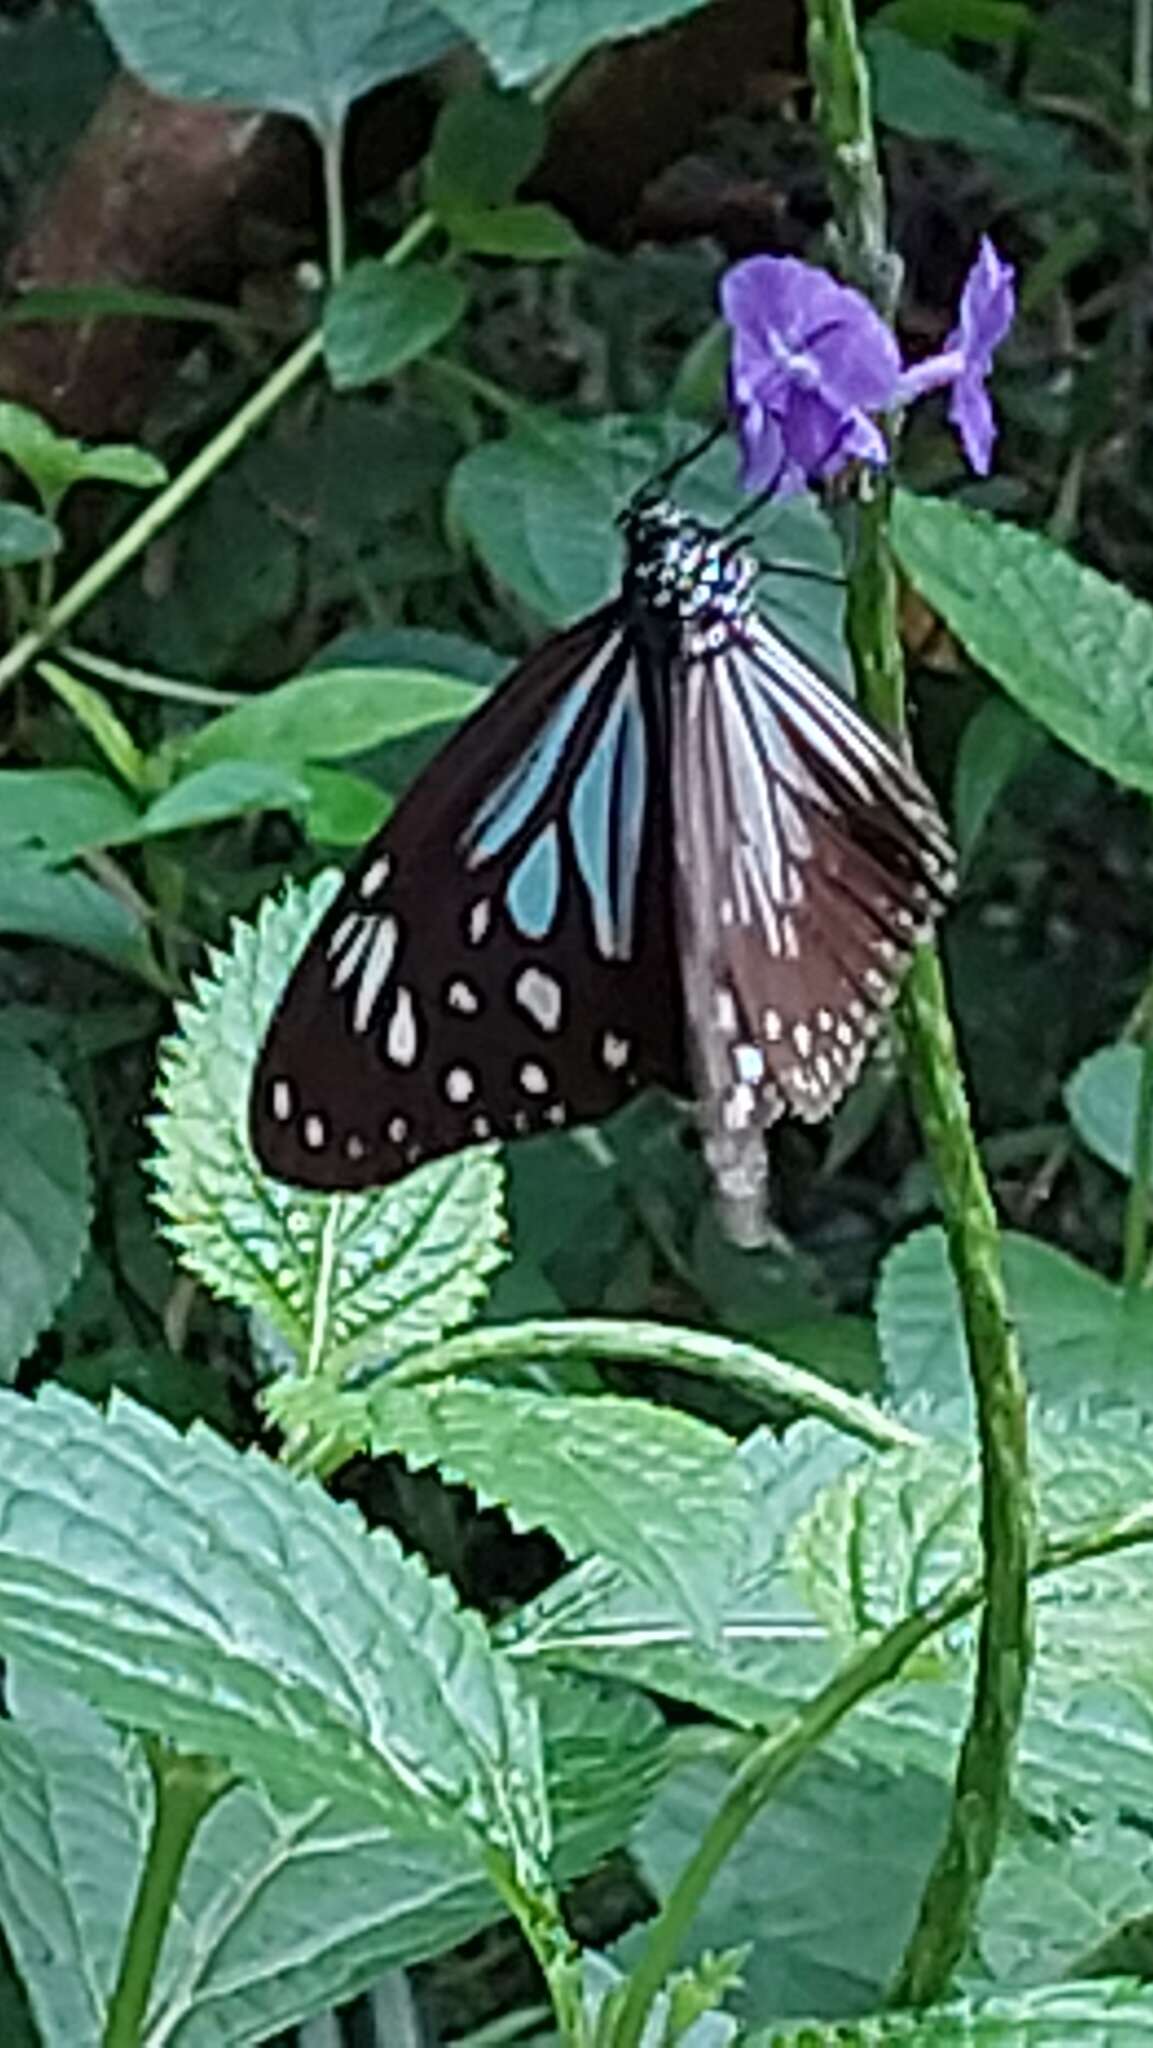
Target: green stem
{"type": "Point", "coordinates": [538, 1916]}
{"type": "Point", "coordinates": [335, 224]}
{"type": "Point", "coordinates": [665, 1346]}
{"type": "Point", "coordinates": [172, 688]}
{"type": "Point", "coordinates": [766, 1767]}
{"type": "Point", "coordinates": [186, 1787]}
{"type": "Point", "coordinates": [984, 1768]}
{"type": "Point", "coordinates": [1137, 1205]}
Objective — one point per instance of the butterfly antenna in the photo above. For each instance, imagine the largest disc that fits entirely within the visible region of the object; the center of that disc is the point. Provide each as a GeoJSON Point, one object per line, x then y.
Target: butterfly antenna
{"type": "Point", "coordinates": [663, 477]}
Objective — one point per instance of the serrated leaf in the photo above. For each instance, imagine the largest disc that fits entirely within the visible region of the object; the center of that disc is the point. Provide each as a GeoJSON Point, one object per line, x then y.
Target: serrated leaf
{"type": "Point", "coordinates": [62, 810]}
{"type": "Point", "coordinates": [71, 910]}
{"type": "Point", "coordinates": [523, 40]}
{"type": "Point", "coordinates": [484, 145]}
{"type": "Point", "coordinates": [184, 1588]}
{"type": "Point", "coordinates": [377, 319]}
{"type": "Point", "coordinates": [225, 789]}
{"type": "Point", "coordinates": [312, 60]}
{"type": "Point", "coordinates": [655, 1491]}
{"type": "Point", "coordinates": [1072, 648]}
{"type": "Point", "coordinates": [330, 713]}
{"type": "Point", "coordinates": [1095, 2015]}
{"type": "Point", "coordinates": [346, 1280]}
{"type": "Point", "coordinates": [1101, 1098]}
{"type": "Point", "coordinates": [270, 1923]}
{"type": "Point", "coordinates": [26, 536]}
{"type": "Point", "coordinates": [45, 1199]}
{"type": "Point", "coordinates": [1079, 1335]}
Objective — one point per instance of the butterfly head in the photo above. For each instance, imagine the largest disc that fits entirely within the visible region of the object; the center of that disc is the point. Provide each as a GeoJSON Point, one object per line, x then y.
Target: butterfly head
{"type": "Point", "coordinates": [682, 574]}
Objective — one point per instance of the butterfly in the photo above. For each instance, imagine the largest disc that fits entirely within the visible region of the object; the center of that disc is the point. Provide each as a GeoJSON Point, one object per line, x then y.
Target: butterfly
{"type": "Point", "coordinates": [666, 851]}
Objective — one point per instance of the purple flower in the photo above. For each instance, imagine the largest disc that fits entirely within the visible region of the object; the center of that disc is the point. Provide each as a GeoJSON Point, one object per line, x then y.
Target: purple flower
{"type": "Point", "coordinates": [811, 361]}
{"type": "Point", "coordinates": [988, 303]}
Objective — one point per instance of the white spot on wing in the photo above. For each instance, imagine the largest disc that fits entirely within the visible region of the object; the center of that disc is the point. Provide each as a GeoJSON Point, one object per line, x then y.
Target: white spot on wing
{"type": "Point", "coordinates": [315, 1132]}
{"type": "Point", "coordinates": [533, 1078]}
{"type": "Point", "coordinates": [478, 921]}
{"type": "Point", "coordinates": [354, 1146]}
{"type": "Point", "coordinates": [376, 875]}
{"type": "Point", "coordinates": [401, 1041]}
{"type": "Point", "coordinates": [462, 996]}
{"type": "Point", "coordinates": [749, 1062]}
{"type": "Point", "coordinates": [541, 996]}
{"type": "Point", "coordinates": [614, 1051]}
{"type": "Point", "coordinates": [374, 973]}
{"type": "Point", "coordinates": [726, 1010]}
{"type": "Point", "coordinates": [398, 1129]}
{"type": "Point", "coordinates": [283, 1100]}
{"type": "Point", "coordinates": [459, 1084]}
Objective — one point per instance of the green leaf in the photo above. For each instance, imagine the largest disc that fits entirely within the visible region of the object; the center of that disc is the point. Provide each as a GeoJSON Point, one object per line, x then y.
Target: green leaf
{"type": "Point", "coordinates": [922, 93]}
{"type": "Point", "coordinates": [378, 319]}
{"type": "Point", "coordinates": [1098, 2015]}
{"type": "Point", "coordinates": [1071, 648]}
{"type": "Point", "coordinates": [53, 463]}
{"type": "Point", "coordinates": [484, 145]}
{"type": "Point", "coordinates": [540, 510]}
{"type": "Point", "coordinates": [26, 536]}
{"type": "Point", "coordinates": [62, 810]}
{"type": "Point", "coordinates": [525, 234]}
{"type": "Point", "coordinates": [1078, 1333]}
{"type": "Point", "coordinates": [330, 713]}
{"type": "Point", "coordinates": [1055, 1897]}
{"type": "Point", "coordinates": [522, 41]}
{"type": "Point", "coordinates": [189, 1590]}
{"type": "Point", "coordinates": [348, 1280]}
{"type": "Point", "coordinates": [657, 1492]}
{"type": "Point", "coordinates": [343, 809]}
{"type": "Point", "coordinates": [997, 743]}
{"type": "Point", "coordinates": [255, 1944]}
{"type": "Point", "coordinates": [313, 59]}
{"type": "Point", "coordinates": [937, 23]}
{"type": "Point", "coordinates": [72, 911]}
{"type": "Point", "coordinates": [92, 710]}
{"type": "Point", "coordinates": [841, 1852]}
{"type": "Point", "coordinates": [225, 789]}
{"type": "Point", "coordinates": [1101, 1098]}
{"type": "Point", "coordinates": [45, 1199]}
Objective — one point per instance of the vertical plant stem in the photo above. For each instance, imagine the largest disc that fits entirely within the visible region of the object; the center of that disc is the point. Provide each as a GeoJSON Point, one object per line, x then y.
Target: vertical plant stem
{"type": "Point", "coordinates": [538, 1916]}
{"type": "Point", "coordinates": [185, 1788]}
{"type": "Point", "coordinates": [335, 224]}
{"type": "Point", "coordinates": [984, 1768]}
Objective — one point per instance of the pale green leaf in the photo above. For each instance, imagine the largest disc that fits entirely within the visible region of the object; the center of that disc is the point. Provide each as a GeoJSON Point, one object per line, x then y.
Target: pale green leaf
{"type": "Point", "coordinates": [330, 713]}
{"type": "Point", "coordinates": [377, 319]}
{"type": "Point", "coordinates": [53, 463]}
{"type": "Point", "coordinates": [71, 910]}
{"type": "Point", "coordinates": [521, 38]}
{"type": "Point", "coordinates": [349, 1279]}
{"type": "Point", "coordinates": [1094, 2015]}
{"type": "Point", "coordinates": [26, 536]}
{"type": "Point", "coordinates": [225, 789]}
{"type": "Point", "coordinates": [93, 711]}
{"type": "Point", "coordinates": [655, 1491]}
{"type": "Point", "coordinates": [1072, 648]}
{"type": "Point", "coordinates": [1078, 1333]}
{"type": "Point", "coordinates": [1101, 1098]}
{"type": "Point", "coordinates": [186, 1589]}
{"type": "Point", "coordinates": [312, 59]}
{"type": "Point", "coordinates": [45, 1199]}
{"type": "Point", "coordinates": [1055, 1896]}
{"type": "Point", "coordinates": [63, 810]}
{"type": "Point", "coordinates": [484, 145]}
{"type": "Point", "coordinates": [343, 809]}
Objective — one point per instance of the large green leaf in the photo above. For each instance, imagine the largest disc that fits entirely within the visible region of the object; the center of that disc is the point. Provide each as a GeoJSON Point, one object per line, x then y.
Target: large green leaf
{"type": "Point", "coordinates": [282, 1912]}
{"type": "Point", "coordinates": [312, 59]}
{"type": "Point", "coordinates": [71, 910]}
{"type": "Point", "coordinates": [658, 1492]}
{"type": "Point", "coordinates": [45, 1199]}
{"type": "Point", "coordinates": [1095, 2015]}
{"type": "Point", "coordinates": [330, 713]}
{"type": "Point", "coordinates": [1056, 1895]}
{"type": "Point", "coordinates": [1078, 1333]}
{"type": "Point", "coordinates": [225, 789]}
{"type": "Point", "coordinates": [186, 1589]}
{"type": "Point", "coordinates": [1073, 649]}
{"type": "Point", "coordinates": [63, 810]}
{"type": "Point", "coordinates": [348, 1279]}
{"type": "Point", "coordinates": [521, 41]}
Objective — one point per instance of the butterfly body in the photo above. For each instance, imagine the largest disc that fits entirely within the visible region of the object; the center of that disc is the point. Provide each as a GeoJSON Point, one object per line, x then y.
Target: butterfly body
{"type": "Point", "coordinates": [666, 851]}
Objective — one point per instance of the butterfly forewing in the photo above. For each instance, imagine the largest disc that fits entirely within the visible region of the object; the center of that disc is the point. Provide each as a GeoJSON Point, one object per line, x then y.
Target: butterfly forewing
{"type": "Point", "coordinates": [499, 960]}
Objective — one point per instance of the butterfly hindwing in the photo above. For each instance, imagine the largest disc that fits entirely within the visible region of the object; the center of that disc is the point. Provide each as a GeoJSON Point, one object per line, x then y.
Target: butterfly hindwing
{"type": "Point", "coordinates": [499, 960]}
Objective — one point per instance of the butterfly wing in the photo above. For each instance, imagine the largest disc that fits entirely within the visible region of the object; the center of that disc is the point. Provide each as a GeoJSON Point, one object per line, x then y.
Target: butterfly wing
{"type": "Point", "coordinates": [811, 858]}
{"type": "Point", "coordinates": [500, 958]}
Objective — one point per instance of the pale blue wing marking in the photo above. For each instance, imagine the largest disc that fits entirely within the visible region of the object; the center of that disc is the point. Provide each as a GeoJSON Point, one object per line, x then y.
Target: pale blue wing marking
{"type": "Point", "coordinates": [511, 804]}
{"type": "Point", "coordinates": [606, 817]}
{"type": "Point", "coordinates": [534, 886]}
